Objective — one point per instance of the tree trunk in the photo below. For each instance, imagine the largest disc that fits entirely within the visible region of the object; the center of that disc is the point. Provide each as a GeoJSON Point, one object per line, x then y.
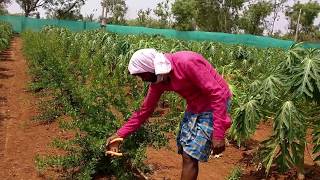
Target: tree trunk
{"type": "Point", "coordinates": [225, 22]}
{"type": "Point", "coordinates": [27, 13]}
{"type": "Point", "coordinates": [274, 16]}
{"type": "Point", "coordinates": [273, 23]}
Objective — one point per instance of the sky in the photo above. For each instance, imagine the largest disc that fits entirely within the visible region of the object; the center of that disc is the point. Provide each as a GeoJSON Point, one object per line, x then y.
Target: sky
{"type": "Point", "coordinates": [93, 7]}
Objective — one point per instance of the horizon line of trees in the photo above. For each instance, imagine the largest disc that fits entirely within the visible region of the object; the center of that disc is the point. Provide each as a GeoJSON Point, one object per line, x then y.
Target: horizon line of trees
{"type": "Point", "coordinates": [257, 17]}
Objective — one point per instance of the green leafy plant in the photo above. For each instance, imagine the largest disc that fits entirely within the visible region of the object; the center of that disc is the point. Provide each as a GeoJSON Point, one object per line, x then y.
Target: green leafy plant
{"type": "Point", "coordinates": [236, 173]}
{"type": "Point", "coordinates": [287, 144]}
{"type": "Point", "coordinates": [88, 73]}
{"type": "Point", "coordinates": [288, 96]}
{"type": "Point", "coordinates": [316, 143]}
{"type": "Point", "coordinates": [6, 33]}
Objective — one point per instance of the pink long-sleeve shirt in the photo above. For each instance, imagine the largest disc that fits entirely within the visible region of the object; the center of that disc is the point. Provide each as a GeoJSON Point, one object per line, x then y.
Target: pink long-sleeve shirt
{"type": "Point", "coordinates": [193, 78]}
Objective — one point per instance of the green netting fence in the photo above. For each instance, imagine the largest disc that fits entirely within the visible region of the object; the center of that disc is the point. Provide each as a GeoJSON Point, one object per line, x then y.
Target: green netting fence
{"type": "Point", "coordinates": [21, 24]}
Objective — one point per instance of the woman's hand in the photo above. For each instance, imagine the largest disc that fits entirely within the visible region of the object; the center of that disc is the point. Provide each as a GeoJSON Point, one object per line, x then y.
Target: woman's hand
{"type": "Point", "coordinates": [112, 145]}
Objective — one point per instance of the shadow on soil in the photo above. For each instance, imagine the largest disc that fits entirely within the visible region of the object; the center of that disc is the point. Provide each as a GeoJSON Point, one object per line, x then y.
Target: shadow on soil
{"type": "Point", "coordinates": [4, 73]}
{"type": "Point", "coordinates": [6, 55]}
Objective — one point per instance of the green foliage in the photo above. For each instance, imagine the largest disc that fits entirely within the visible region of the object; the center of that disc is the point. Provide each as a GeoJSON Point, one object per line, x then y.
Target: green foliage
{"type": "Point", "coordinates": [309, 12]}
{"type": "Point", "coordinates": [245, 120]}
{"type": "Point", "coordinates": [162, 11]}
{"type": "Point", "coordinates": [93, 86]}
{"type": "Point", "coordinates": [64, 9]}
{"type": "Point", "coordinates": [116, 9]}
{"type": "Point", "coordinates": [5, 35]}
{"type": "Point", "coordinates": [184, 14]}
{"type": "Point", "coordinates": [143, 17]}
{"type": "Point", "coordinates": [270, 89]}
{"type": "Point", "coordinates": [236, 173]}
{"type": "Point", "coordinates": [3, 10]}
{"type": "Point", "coordinates": [89, 82]}
{"type": "Point", "coordinates": [287, 144]}
{"type": "Point", "coordinates": [50, 110]}
{"type": "Point", "coordinates": [253, 19]}
{"type": "Point", "coordinates": [30, 6]}
{"type": "Point", "coordinates": [305, 78]}
{"type": "Point", "coordinates": [291, 84]}
{"type": "Point", "coordinates": [316, 142]}
{"type": "Point", "coordinates": [216, 15]}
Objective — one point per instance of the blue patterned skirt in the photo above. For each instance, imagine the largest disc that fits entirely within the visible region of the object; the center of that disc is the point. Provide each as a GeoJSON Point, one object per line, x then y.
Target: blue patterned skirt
{"type": "Point", "coordinates": [194, 137]}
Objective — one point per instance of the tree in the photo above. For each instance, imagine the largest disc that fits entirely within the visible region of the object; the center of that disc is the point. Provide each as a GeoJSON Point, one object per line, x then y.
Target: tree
{"type": "Point", "coordinates": [64, 9]}
{"type": "Point", "coordinates": [309, 12]}
{"type": "Point", "coordinates": [208, 18]}
{"type": "Point", "coordinates": [90, 17]}
{"type": "Point", "coordinates": [3, 4]}
{"type": "Point", "coordinates": [184, 13]}
{"type": "Point", "coordinates": [117, 9]}
{"type": "Point", "coordinates": [143, 17]}
{"type": "Point", "coordinates": [230, 14]}
{"type": "Point", "coordinates": [163, 12]}
{"type": "Point", "coordinates": [253, 19]}
{"type": "Point", "coordinates": [278, 6]}
{"type": "Point", "coordinates": [217, 15]}
{"type": "Point", "coordinates": [29, 6]}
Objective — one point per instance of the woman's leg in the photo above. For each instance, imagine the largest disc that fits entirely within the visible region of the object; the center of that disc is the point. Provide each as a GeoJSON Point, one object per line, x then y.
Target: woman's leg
{"type": "Point", "coordinates": [190, 167]}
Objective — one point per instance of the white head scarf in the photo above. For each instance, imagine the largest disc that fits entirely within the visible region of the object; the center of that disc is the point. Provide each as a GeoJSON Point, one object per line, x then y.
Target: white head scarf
{"type": "Point", "coordinates": [149, 60]}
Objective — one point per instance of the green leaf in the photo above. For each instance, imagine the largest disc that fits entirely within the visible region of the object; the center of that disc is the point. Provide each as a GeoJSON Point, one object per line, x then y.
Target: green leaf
{"type": "Point", "coordinates": [289, 136]}
{"type": "Point", "coordinates": [269, 88]}
{"type": "Point", "coordinates": [270, 159]}
{"type": "Point", "coordinates": [305, 77]}
{"type": "Point", "coordinates": [316, 142]}
{"type": "Point", "coordinates": [245, 121]}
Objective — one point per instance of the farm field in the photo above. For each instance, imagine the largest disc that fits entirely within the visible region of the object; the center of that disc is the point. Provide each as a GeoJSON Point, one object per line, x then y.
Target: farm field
{"type": "Point", "coordinates": [62, 93]}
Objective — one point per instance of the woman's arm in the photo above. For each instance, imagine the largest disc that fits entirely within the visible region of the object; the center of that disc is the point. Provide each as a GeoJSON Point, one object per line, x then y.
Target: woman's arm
{"type": "Point", "coordinates": [140, 116]}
